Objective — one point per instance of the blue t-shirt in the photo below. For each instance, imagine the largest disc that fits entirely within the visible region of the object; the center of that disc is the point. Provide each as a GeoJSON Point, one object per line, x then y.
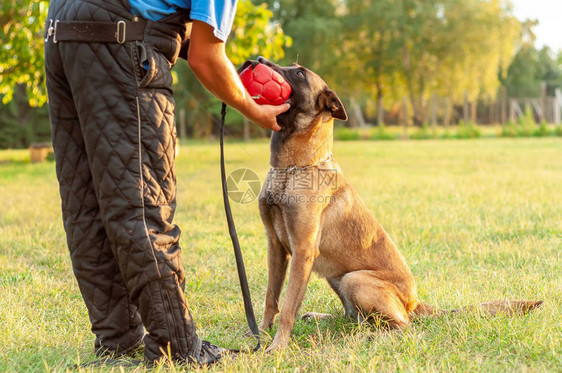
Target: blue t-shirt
{"type": "Point", "coordinates": [219, 14]}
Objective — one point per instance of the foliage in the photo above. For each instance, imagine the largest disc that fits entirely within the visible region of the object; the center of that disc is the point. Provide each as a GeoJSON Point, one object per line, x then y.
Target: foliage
{"type": "Point", "coordinates": [386, 49]}
{"type": "Point", "coordinates": [467, 130]}
{"type": "Point", "coordinates": [315, 26]}
{"type": "Point", "coordinates": [550, 70]}
{"type": "Point", "coordinates": [530, 68]}
{"type": "Point", "coordinates": [374, 52]}
{"type": "Point", "coordinates": [481, 38]}
{"type": "Point", "coordinates": [21, 124]}
{"type": "Point", "coordinates": [21, 49]}
{"type": "Point", "coordinates": [346, 134]}
{"type": "Point", "coordinates": [527, 124]}
{"type": "Point", "coordinates": [417, 48]}
{"type": "Point", "coordinates": [21, 63]}
{"type": "Point", "coordinates": [523, 78]}
{"type": "Point", "coordinates": [423, 133]}
{"type": "Point", "coordinates": [526, 127]}
{"type": "Point", "coordinates": [542, 130]}
{"type": "Point", "coordinates": [381, 133]}
{"type": "Point", "coordinates": [255, 33]}
{"type": "Point", "coordinates": [509, 129]}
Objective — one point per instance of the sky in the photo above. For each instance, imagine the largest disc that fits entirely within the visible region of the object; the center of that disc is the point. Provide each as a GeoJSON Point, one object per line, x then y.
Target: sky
{"type": "Point", "coordinates": [549, 15]}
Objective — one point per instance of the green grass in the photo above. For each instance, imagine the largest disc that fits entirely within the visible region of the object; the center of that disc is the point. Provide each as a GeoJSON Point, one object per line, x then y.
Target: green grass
{"type": "Point", "coordinates": [476, 220]}
{"type": "Point", "coordinates": [526, 127]}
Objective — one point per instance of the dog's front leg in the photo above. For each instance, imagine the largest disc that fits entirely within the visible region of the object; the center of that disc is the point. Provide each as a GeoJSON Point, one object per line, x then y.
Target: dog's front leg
{"type": "Point", "coordinates": [277, 260]}
{"type": "Point", "coordinates": [301, 267]}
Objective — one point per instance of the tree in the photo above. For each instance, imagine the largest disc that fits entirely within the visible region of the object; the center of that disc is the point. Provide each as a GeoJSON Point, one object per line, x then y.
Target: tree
{"type": "Point", "coordinates": [529, 69]}
{"type": "Point", "coordinates": [21, 43]}
{"type": "Point", "coordinates": [315, 28]}
{"type": "Point", "coordinates": [20, 124]}
{"type": "Point", "coordinates": [455, 46]}
{"type": "Point", "coordinates": [21, 49]}
{"type": "Point", "coordinates": [22, 62]}
{"type": "Point", "coordinates": [255, 32]}
{"type": "Point", "coordinates": [372, 49]}
{"type": "Point", "coordinates": [549, 70]}
{"type": "Point", "coordinates": [417, 48]}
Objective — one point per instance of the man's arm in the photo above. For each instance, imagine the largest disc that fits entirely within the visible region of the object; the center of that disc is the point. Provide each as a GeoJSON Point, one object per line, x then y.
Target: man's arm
{"type": "Point", "coordinates": [207, 58]}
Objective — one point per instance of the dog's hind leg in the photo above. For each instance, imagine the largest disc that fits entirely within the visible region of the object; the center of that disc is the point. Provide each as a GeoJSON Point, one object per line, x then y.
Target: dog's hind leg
{"type": "Point", "coordinates": [349, 308]}
{"type": "Point", "coordinates": [368, 295]}
{"type": "Point", "coordinates": [350, 311]}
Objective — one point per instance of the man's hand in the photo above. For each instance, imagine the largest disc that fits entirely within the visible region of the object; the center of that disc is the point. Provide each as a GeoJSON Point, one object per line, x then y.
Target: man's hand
{"type": "Point", "coordinates": [266, 115]}
{"type": "Point", "coordinates": [207, 58]}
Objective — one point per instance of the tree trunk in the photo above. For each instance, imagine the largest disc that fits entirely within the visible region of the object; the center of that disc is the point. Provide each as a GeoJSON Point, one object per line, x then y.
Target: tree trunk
{"type": "Point", "coordinates": [420, 115]}
{"type": "Point", "coordinates": [433, 110]}
{"type": "Point", "coordinates": [512, 111]}
{"type": "Point", "coordinates": [357, 114]}
{"type": "Point", "coordinates": [412, 97]}
{"type": "Point", "coordinates": [543, 102]}
{"type": "Point", "coordinates": [447, 116]}
{"type": "Point", "coordinates": [380, 107]}
{"type": "Point", "coordinates": [465, 108]}
{"type": "Point", "coordinates": [380, 112]}
{"type": "Point", "coordinates": [23, 115]}
{"type": "Point", "coordinates": [503, 104]}
{"type": "Point", "coordinates": [405, 115]}
{"type": "Point", "coordinates": [409, 83]}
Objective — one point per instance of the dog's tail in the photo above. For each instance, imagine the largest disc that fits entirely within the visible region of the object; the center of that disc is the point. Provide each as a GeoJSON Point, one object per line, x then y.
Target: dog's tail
{"type": "Point", "coordinates": [497, 307]}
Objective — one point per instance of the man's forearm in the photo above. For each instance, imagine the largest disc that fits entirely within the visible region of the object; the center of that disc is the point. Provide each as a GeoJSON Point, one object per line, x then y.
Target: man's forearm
{"type": "Point", "coordinates": [208, 60]}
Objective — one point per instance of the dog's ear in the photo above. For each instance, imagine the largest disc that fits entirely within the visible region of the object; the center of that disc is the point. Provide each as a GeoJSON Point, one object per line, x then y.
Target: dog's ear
{"type": "Point", "coordinates": [246, 64]}
{"type": "Point", "coordinates": [330, 101]}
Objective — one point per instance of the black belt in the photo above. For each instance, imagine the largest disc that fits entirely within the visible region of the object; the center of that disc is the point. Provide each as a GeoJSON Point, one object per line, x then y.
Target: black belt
{"type": "Point", "coordinates": [95, 32]}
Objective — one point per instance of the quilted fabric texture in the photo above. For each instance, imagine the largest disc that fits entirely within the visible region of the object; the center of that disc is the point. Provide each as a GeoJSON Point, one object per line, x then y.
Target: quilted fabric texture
{"type": "Point", "coordinates": [114, 140]}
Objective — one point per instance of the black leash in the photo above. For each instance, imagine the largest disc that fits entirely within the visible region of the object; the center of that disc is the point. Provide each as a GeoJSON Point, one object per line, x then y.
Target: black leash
{"type": "Point", "coordinates": [250, 318]}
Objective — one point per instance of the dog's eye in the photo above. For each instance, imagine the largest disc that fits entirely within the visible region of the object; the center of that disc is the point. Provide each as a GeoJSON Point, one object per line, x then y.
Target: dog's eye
{"type": "Point", "coordinates": [300, 73]}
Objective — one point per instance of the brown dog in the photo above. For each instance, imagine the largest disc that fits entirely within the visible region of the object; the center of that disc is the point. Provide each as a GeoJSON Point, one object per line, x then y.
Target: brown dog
{"type": "Point", "coordinates": [312, 215]}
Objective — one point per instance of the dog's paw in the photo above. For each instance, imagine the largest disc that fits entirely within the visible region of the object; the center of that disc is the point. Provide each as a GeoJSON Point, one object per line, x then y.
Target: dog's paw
{"type": "Point", "coordinates": [316, 316]}
{"type": "Point", "coordinates": [276, 346]}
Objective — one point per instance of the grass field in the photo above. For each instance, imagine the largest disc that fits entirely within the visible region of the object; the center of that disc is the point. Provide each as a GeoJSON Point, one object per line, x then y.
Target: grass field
{"type": "Point", "coordinates": [477, 220]}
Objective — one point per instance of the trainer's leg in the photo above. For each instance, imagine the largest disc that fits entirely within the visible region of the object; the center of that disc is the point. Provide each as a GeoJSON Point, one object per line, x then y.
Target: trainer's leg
{"type": "Point", "coordinates": [126, 115]}
{"type": "Point", "coordinates": [115, 321]}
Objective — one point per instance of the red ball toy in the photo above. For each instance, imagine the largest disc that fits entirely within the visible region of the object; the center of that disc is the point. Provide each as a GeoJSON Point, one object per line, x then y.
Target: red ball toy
{"type": "Point", "coordinates": [265, 85]}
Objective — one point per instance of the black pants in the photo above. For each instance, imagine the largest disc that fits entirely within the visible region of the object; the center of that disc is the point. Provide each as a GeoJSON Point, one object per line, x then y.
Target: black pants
{"type": "Point", "coordinates": [113, 133]}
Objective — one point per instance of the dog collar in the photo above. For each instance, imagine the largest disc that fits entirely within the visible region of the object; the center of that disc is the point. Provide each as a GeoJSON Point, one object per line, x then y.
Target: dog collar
{"type": "Point", "coordinates": [294, 169]}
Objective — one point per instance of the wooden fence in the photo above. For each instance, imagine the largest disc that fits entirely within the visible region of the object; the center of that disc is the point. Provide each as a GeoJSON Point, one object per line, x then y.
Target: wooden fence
{"type": "Point", "coordinates": [440, 111]}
